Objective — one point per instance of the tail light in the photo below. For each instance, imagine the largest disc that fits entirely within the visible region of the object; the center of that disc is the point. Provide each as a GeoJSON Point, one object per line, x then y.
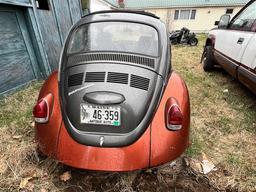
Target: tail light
{"type": "Point", "coordinates": [41, 111]}
{"type": "Point", "coordinates": [174, 117]}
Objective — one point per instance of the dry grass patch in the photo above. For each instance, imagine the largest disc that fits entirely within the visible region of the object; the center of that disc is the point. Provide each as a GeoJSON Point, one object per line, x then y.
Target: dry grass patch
{"type": "Point", "coordinates": [223, 120]}
{"type": "Point", "coordinates": [19, 164]}
{"type": "Point", "coordinates": [223, 127]}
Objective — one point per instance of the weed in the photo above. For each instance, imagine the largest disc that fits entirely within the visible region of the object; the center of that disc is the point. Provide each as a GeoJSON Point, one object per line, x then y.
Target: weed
{"type": "Point", "coordinates": [233, 159]}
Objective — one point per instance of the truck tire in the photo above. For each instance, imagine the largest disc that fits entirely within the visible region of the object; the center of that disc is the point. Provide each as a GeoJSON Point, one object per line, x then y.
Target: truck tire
{"type": "Point", "coordinates": [208, 60]}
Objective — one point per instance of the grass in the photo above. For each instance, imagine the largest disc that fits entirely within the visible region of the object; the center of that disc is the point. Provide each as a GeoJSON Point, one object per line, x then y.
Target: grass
{"type": "Point", "coordinates": [196, 148]}
{"type": "Point", "coordinates": [223, 126]}
{"type": "Point", "coordinates": [223, 123]}
{"type": "Point", "coordinates": [233, 159]}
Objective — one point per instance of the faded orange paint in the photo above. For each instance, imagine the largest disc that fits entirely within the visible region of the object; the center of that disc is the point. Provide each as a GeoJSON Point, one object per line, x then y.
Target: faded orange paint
{"type": "Point", "coordinates": [167, 145]}
{"type": "Point", "coordinates": [156, 146]}
{"type": "Point", "coordinates": [46, 134]}
{"type": "Point", "coordinates": [135, 156]}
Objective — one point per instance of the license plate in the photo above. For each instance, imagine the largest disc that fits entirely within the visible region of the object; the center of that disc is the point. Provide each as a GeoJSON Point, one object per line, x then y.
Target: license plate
{"type": "Point", "coordinates": [100, 114]}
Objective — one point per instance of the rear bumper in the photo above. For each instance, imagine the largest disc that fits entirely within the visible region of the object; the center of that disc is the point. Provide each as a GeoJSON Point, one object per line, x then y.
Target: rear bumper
{"type": "Point", "coordinates": [156, 146]}
{"type": "Point", "coordinates": [132, 157]}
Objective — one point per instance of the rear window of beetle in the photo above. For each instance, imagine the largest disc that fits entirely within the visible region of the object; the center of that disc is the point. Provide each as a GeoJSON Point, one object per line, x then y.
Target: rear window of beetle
{"type": "Point", "coordinates": [115, 36]}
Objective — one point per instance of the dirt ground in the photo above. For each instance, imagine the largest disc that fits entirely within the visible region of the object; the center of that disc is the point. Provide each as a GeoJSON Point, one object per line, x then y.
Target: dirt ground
{"type": "Point", "coordinates": [176, 177]}
{"type": "Point", "coordinates": [223, 128]}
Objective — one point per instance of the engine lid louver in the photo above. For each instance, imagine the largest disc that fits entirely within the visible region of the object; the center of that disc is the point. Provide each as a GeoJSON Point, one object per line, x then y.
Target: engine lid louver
{"type": "Point", "coordinates": [121, 78]}
{"type": "Point", "coordinates": [112, 77]}
{"type": "Point", "coordinates": [139, 82]}
{"type": "Point", "coordinates": [76, 79]}
{"type": "Point", "coordinates": [95, 77]}
{"type": "Point", "coordinates": [145, 61]}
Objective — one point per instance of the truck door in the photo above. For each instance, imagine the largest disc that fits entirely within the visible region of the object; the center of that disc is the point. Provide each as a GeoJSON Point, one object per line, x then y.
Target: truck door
{"type": "Point", "coordinates": [249, 56]}
{"type": "Point", "coordinates": [231, 43]}
{"type": "Point", "coordinates": [247, 70]}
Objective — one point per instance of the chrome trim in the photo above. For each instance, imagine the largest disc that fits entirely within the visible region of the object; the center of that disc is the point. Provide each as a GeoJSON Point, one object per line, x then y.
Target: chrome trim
{"type": "Point", "coordinates": [80, 89]}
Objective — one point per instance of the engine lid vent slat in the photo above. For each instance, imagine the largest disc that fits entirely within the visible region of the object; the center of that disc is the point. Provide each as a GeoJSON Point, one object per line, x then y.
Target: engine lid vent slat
{"type": "Point", "coordinates": [121, 78]}
{"type": "Point", "coordinates": [112, 77]}
{"type": "Point", "coordinates": [95, 77]}
{"type": "Point", "coordinates": [139, 82]}
{"type": "Point", "coordinates": [140, 60]}
{"type": "Point", "coordinates": [76, 79]}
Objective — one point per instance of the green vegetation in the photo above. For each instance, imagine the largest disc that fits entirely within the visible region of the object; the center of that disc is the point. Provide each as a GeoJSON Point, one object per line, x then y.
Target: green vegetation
{"type": "Point", "coordinates": [223, 116]}
{"type": "Point", "coordinates": [223, 126]}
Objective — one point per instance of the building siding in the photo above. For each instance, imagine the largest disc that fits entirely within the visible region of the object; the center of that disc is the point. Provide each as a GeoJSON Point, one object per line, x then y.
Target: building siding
{"type": "Point", "coordinates": [204, 21]}
{"type": "Point", "coordinates": [153, 4]}
{"type": "Point", "coordinates": [45, 32]}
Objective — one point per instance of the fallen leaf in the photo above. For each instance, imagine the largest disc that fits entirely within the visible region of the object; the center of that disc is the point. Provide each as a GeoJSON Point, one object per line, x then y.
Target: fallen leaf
{"type": "Point", "coordinates": [65, 176]}
{"type": "Point", "coordinates": [225, 91]}
{"type": "Point", "coordinates": [17, 136]}
{"type": "Point", "coordinates": [34, 174]}
{"type": "Point", "coordinates": [30, 186]}
{"type": "Point", "coordinates": [45, 176]}
{"type": "Point", "coordinates": [32, 124]}
{"type": "Point", "coordinates": [3, 165]}
{"type": "Point", "coordinates": [194, 164]}
{"type": "Point", "coordinates": [173, 164]}
{"type": "Point", "coordinates": [24, 182]}
{"type": "Point", "coordinates": [207, 165]}
{"type": "Point", "coordinates": [186, 161]}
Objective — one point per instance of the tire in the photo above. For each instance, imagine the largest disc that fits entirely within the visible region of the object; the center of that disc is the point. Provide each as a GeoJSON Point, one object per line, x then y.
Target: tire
{"type": "Point", "coordinates": [208, 60]}
{"type": "Point", "coordinates": [174, 42]}
{"type": "Point", "coordinates": [193, 42]}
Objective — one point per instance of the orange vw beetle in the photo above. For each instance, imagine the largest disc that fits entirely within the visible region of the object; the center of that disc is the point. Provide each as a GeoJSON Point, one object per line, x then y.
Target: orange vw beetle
{"type": "Point", "coordinates": [114, 104]}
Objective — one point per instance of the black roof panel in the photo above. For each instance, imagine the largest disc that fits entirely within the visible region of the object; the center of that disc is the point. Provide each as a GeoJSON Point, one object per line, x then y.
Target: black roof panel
{"type": "Point", "coordinates": [124, 11]}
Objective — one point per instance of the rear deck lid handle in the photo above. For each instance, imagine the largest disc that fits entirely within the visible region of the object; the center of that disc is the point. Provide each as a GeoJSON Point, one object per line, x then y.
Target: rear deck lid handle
{"type": "Point", "coordinates": [104, 98]}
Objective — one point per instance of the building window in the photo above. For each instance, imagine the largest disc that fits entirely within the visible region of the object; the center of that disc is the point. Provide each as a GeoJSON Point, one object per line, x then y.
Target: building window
{"type": "Point", "coordinates": [42, 4]}
{"type": "Point", "coordinates": [176, 15]}
{"type": "Point", "coordinates": [185, 14]}
{"type": "Point", "coordinates": [193, 15]}
{"type": "Point", "coordinates": [229, 11]}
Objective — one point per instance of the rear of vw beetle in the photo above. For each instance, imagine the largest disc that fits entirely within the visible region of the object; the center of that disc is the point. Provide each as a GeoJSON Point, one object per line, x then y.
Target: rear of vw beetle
{"type": "Point", "coordinates": [115, 104]}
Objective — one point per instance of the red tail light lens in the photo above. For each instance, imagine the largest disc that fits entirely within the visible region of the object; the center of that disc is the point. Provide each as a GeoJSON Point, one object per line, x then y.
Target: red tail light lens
{"type": "Point", "coordinates": [41, 111]}
{"type": "Point", "coordinates": [174, 118]}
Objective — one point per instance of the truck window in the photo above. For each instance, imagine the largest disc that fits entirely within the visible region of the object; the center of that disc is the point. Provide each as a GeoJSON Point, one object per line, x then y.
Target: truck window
{"type": "Point", "coordinates": [245, 20]}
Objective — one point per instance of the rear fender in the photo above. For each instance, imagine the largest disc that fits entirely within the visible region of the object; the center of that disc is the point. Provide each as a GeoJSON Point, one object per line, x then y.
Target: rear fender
{"type": "Point", "coordinates": [46, 134]}
{"type": "Point", "coordinates": [167, 145]}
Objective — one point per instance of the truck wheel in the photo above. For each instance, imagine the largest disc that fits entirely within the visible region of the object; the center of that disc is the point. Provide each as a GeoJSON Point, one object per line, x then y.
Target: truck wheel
{"type": "Point", "coordinates": [208, 61]}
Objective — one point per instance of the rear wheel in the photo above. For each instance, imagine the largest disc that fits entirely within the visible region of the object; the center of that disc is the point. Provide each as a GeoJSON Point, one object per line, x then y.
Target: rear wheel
{"type": "Point", "coordinates": [193, 42]}
{"type": "Point", "coordinates": [174, 42]}
{"type": "Point", "coordinates": [208, 61]}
